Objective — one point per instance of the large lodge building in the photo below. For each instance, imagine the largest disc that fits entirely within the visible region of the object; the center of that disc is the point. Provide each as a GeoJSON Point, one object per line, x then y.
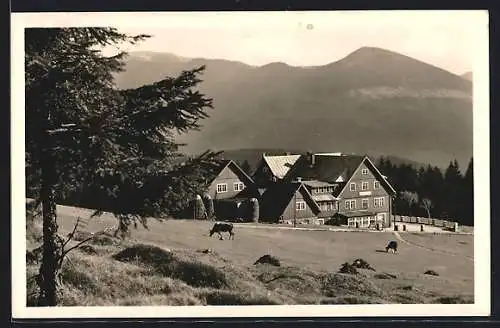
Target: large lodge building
{"type": "Point", "coordinates": [311, 188]}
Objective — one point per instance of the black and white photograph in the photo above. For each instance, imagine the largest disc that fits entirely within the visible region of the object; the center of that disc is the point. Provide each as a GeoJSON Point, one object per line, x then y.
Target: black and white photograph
{"type": "Point", "coordinates": [222, 164]}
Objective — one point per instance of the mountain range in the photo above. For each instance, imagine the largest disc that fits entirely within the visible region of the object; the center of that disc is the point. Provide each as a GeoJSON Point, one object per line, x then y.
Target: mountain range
{"type": "Point", "coordinates": [372, 101]}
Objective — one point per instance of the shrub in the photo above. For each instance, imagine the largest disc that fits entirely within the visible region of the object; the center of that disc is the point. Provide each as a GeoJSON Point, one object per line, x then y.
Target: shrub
{"type": "Point", "coordinates": [88, 249]}
{"type": "Point", "coordinates": [348, 269]}
{"type": "Point", "coordinates": [222, 297]}
{"type": "Point", "coordinates": [34, 256]}
{"type": "Point", "coordinates": [350, 299]}
{"type": "Point", "coordinates": [197, 274]}
{"type": "Point", "coordinates": [297, 281]}
{"type": "Point", "coordinates": [80, 279]}
{"type": "Point", "coordinates": [193, 273]}
{"type": "Point", "coordinates": [338, 284]}
{"type": "Point", "coordinates": [147, 254]}
{"type": "Point", "coordinates": [362, 264]}
{"type": "Point", "coordinates": [385, 275]}
{"type": "Point", "coordinates": [333, 222]}
{"type": "Point", "coordinates": [454, 300]}
{"type": "Point", "coordinates": [268, 259]}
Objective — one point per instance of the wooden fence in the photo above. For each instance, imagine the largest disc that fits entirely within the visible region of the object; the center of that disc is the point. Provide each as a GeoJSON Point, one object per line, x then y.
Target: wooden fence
{"type": "Point", "coordinates": [427, 221]}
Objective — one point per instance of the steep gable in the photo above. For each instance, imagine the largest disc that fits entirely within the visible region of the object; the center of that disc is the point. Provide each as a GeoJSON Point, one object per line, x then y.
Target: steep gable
{"type": "Point", "coordinates": [333, 168]}
{"type": "Point", "coordinates": [366, 162]}
{"type": "Point", "coordinates": [277, 197]}
{"type": "Point", "coordinates": [226, 165]}
{"type": "Point", "coordinates": [325, 167]}
{"type": "Point", "coordinates": [280, 165]}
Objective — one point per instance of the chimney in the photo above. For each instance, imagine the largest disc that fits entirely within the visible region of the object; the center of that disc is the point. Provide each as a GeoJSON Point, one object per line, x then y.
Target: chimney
{"type": "Point", "coordinates": [288, 153]}
{"type": "Point", "coordinates": [299, 179]}
{"type": "Point", "coordinates": [312, 158]}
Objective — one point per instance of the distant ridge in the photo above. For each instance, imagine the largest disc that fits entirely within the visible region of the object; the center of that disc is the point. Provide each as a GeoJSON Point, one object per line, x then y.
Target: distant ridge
{"type": "Point", "coordinates": [372, 101]}
{"type": "Point", "coordinates": [467, 76]}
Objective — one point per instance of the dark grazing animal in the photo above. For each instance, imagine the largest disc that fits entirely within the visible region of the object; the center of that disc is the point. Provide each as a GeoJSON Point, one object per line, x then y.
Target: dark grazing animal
{"type": "Point", "coordinates": [220, 227]}
{"type": "Point", "coordinates": [393, 245]}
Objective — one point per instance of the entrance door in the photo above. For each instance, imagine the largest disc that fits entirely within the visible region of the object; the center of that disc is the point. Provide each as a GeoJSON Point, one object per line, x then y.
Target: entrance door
{"type": "Point", "coordinates": [381, 218]}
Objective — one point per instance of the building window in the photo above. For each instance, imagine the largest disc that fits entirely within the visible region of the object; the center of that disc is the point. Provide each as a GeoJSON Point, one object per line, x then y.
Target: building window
{"type": "Point", "coordinates": [352, 186]}
{"type": "Point", "coordinates": [364, 185]}
{"type": "Point", "coordinates": [364, 171]}
{"type": "Point", "coordinates": [364, 203]}
{"type": "Point", "coordinates": [238, 186]}
{"type": "Point", "coordinates": [378, 202]}
{"type": "Point", "coordinates": [300, 205]}
{"type": "Point", "coordinates": [222, 187]}
{"type": "Point", "coordinates": [376, 185]}
{"type": "Point", "coordinates": [350, 204]}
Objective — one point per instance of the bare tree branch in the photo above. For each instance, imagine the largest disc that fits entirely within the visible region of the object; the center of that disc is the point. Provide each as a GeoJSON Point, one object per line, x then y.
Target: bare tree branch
{"type": "Point", "coordinates": [72, 233]}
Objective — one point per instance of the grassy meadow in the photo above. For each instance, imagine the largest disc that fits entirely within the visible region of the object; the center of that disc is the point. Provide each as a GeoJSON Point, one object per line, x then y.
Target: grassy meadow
{"type": "Point", "coordinates": [175, 262]}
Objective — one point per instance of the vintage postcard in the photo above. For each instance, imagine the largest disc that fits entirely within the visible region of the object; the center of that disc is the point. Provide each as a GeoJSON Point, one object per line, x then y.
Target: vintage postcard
{"type": "Point", "coordinates": [250, 164]}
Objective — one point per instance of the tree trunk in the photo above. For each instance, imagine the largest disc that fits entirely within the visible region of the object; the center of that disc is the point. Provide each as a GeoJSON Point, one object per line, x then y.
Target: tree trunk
{"type": "Point", "coordinates": [51, 249]}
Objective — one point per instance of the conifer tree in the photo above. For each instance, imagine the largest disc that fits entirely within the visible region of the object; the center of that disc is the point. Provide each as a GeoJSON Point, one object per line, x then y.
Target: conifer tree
{"type": "Point", "coordinates": [82, 131]}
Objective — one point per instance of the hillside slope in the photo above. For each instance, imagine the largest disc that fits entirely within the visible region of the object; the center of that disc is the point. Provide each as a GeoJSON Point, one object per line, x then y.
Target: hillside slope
{"type": "Point", "coordinates": [372, 101]}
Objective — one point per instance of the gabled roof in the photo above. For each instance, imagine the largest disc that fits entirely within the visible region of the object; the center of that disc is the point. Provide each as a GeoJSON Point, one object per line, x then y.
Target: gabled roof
{"type": "Point", "coordinates": [280, 165]}
{"type": "Point", "coordinates": [223, 163]}
{"type": "Point", "coordinates": [277, 197]}
{"type": "Point", "coordinates": [324, 198]}
{"type": "Point", "coordinates": [333, 167]}
{"type": "Point", "coordinates": [327, 168]}
{"type": "Point", "coordinates": [318, 184]}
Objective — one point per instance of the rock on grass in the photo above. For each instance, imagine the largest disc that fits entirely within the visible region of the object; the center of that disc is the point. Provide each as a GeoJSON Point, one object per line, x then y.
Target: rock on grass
{"type": "Point", "coordinates": [431, 273]}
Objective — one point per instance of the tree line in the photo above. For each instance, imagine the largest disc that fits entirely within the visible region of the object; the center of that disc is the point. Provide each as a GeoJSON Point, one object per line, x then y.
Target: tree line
{"type": "Point", "coordinates": [430, 192]}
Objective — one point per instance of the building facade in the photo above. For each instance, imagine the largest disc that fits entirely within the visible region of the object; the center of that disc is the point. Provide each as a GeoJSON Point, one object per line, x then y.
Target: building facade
{"type": "Point", "coordinates": [346, 188]}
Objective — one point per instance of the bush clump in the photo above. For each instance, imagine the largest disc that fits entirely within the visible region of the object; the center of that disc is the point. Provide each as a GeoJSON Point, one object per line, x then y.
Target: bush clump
{"type": "Point", "coordinates": [454, 300]}
{"type": "Point", "coordinates": [223, 297]}
{"type": "Point", "coordinates": [268, 259]}
{"type": "Point", "coordinates": [339, 284]}
{"type": "Point", "coordinates": [196, 274]}
{"type": "Point", "coordinates": [352, 299]}
{"type": "Point", "coordinates": [385, 275]}
{"type": "Point", "coordinates": [298, 281]}
{"type": "Point", "coordinates": [348, 268]}
{"type": "Point", "coordinates": [362, 264]}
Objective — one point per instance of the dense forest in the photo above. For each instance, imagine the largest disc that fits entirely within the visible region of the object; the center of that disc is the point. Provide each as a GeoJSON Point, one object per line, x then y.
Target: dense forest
{"type": "Point", "coordinates": [422, 191]}
{"type": "Point", "coordinates": [428, 191]}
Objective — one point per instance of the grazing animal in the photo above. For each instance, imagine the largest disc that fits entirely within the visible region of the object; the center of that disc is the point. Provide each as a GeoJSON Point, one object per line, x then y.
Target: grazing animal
{"type": "Point", "coordinates": [220, 227]}
{"type": "Point", "coordinates": [392, 246]}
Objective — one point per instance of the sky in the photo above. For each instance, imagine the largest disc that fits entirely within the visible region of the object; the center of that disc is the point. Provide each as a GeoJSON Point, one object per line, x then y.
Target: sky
{"type": "Point", "coordinates": [444, 39]}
